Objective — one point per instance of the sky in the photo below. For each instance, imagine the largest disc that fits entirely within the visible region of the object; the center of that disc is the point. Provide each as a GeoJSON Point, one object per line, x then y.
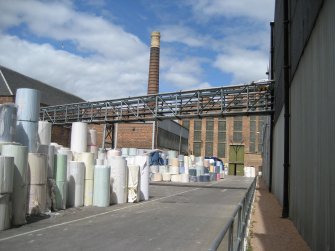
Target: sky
{"type": "Point", "coordinates": [99, 49]}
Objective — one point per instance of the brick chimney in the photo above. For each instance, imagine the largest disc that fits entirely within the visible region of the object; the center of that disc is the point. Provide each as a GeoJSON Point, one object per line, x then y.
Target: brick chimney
{"type": "Point", "coordinates": [153, 81]}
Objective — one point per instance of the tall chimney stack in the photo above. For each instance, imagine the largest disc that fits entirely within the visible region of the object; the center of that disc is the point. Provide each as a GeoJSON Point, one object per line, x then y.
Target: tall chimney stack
{"type": "Point", "coordinates": [153, 81]}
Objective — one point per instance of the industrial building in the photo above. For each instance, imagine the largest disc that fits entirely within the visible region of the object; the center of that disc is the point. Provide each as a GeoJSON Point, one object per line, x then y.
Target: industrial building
{"type": "Point", "coordinates": [299, 160]}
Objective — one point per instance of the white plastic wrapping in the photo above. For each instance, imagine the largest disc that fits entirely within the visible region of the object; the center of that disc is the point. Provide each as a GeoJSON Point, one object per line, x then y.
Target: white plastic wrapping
{"type": "Point", "coordinates": [154, 169]}
{"type": "Point", "coordinates": [7, 122]}
{"type": "Point", "coordinates": [5, 211]}
{"type": "Point", "coordinates": [184, 178]}
{"type": "Point", "coordinates": [37, 199]}
{"type": "Point", "coordinates": [26, 134]}
{"type": "Point", "coordinates": [44, 132]}
{"type": "Point", "coordinates": [174, 162]}
{"type": "Point", "coordinates": [143, 162]}
{"type": "Point", "coordinates": [172, 154]}
{"type": "Point", "coordinates": [134, 182]}
{"type": "Point", "coordinates": [6, 174]}
{"type": "Point", "coordinates": [163, 169]}
{"type": "Point", "coordinates": [101, 191]}
{"type": "Point", "coordinates": [37, 168]}
{"type": "Point", "coordinates": [125, 151]}
{"type": "Point", "coordinates": [76, 183]}
{"type": "Point", "coordinates": [79, 137]}
{"type": "Point", "coordinates": [28, 103]}
{"type": "Point", "coordinates": [119, 183]}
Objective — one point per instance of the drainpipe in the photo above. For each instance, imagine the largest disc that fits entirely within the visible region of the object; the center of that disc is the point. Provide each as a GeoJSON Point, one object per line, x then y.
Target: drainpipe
{"type": "Point", "coordinates": [285, 213]}
{"type": "Point", "coordinates": [272, 102]}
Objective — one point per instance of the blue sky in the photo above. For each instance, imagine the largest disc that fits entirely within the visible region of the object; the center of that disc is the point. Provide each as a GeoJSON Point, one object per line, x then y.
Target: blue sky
{"type": "Point", "coordinates": [99, 49]}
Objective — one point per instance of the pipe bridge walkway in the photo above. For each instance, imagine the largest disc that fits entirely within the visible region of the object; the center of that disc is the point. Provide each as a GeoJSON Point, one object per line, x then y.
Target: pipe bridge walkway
{"type": "Point", "coordinates": [238, 100]}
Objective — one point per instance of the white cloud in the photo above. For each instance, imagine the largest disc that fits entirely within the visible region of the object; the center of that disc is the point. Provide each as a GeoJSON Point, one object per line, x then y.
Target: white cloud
{"type": "Point", "coordinates": [254, 9]}
{"type": "Point", "coordinates": [245, 65]}
{"type": "Point", "coordinates": [117, 64]}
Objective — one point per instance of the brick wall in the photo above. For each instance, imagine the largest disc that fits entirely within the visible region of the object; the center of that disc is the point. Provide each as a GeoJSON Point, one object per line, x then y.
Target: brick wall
{"type": "Point", "coordinates": [6, 99]}
{"type": "Point", "coordinates": [61, 135]}
{"type": "Point", "coordinates": [134, 135]}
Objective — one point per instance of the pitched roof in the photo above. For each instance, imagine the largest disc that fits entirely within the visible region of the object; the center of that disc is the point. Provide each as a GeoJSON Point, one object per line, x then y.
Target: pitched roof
{"type": "Point", "coordinates": [11, 80]}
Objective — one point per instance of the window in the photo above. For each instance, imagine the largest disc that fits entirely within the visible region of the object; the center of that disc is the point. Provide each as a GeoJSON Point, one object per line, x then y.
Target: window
{"type": "Point", "coordinates": [197, 138]}
{"type": "Point", "coordinates": [252, 134]}
{"type": "Point", "coordinates": [222, 137]}
{"type": "Point", "coordinates": [237, 134]}
{"type": "Point", "coordinates": [209, 137]}
{"type": "Point", "coordinates": [261, 122]}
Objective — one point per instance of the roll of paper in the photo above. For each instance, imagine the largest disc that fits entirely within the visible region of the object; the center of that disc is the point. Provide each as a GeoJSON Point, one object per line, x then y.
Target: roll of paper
{"type": "Point", "coordinates": [7, 122]}
{"type": "Point", "coordinates": [37, 199]}
{"type": "Point", "coordinates": [79, 137]}
{"type": "Point", "coordinates": [37, 168]}
{"type": "Point", "coordinates": [101, 191]}
{"type": "Point", "coordinates": [76, 183]}
{"type": "Point", "coordinates": [44, 132]}
{"type": "Point", "coordinates": [60, 167]}
{"type": "Point", "coordinates": [28, 104]}
{"type": "Point", "coordinates": [88, 193]}
{"type": "Point", "coordinates": [6, 174]}
{"type": "Point", "coordinates": [61, 194]}
{"type": "Point", "coordinates": [119, 183]}
{"type": "Point", "coordinates": [134, 180]}
{"type": "Point", "coordinates": [26, 134]}
{"type": "Point", "coordinates": [5, 211]}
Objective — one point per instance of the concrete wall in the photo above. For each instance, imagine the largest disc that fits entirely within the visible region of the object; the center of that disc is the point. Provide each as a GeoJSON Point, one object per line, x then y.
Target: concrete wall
{"type": "Point", "coordinates": [278, 158]}
{"type": "Point", "coordinates": [312, 176]}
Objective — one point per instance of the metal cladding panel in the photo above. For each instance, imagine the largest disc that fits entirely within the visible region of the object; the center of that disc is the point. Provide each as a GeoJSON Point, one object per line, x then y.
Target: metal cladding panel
{"type": "Point", "coordinates": [312, 172]}
{"type": "Point", "coordinates": [278, 158]}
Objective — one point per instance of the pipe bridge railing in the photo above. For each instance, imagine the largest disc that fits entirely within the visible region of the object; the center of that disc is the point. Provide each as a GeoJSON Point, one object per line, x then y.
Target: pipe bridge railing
{"type": "Point", "coordinates": [249, 99]}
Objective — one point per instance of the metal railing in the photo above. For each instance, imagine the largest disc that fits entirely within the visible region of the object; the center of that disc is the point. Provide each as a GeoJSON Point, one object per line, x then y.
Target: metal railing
{"type": "Point", "coordinates": [242, 211]}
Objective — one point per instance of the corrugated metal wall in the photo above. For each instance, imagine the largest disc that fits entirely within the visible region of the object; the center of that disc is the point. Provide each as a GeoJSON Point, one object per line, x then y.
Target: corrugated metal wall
{"type": "Point", "coordinates": [278, 158]}
{"type": "Point", "coordinates": [266, 150]}
{"type": "Point", "coordinates": [312, 173]}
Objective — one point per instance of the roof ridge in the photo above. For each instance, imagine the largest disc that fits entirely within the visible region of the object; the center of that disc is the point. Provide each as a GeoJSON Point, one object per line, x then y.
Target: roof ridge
{"type": "Point", "coordinates": [4, 79]}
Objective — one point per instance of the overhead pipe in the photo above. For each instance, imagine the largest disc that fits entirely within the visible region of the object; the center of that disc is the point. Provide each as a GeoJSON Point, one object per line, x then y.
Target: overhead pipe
{"type": "Point", "coordinates": [286, 208]}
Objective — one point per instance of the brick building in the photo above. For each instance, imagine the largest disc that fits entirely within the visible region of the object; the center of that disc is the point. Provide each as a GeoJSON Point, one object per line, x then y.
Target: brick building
{"type": "Point", "coordinates": [235, 140]}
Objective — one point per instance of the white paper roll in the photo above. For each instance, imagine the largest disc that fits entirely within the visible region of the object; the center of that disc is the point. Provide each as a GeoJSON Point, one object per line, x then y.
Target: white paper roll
{"type": "Point", "coordinates": [26, 134]}
{"type": "Point", "coordinates": [44, 132]}
{"type": "Point", "coordinates": [154, 169]}
{"type": "Point", "coordinates": [88, 159]}
{"type": "Point", "coordinates": [70, 155]}
{"type": "Point", "coordinates": [101, 191]}
{"type": "Point", "coordinates": [156, 177]}
{"type": "Point", "coordinates": [88, 193]}
{"type": "Point", "coordinates": [100, 162]}
{"type": "Point", "coordinates": [119, 183]}
{"type": "Point", "coordinates": [7, 122]}
{"type": "Point", "coordinates": [79, 137]}
{"type": "Point", "coordinates": [37, 168]}
{"type": "Point", "coordinates": [166, 176]}
{"type": "Point", "coordinates": [5, 211]}
{"type": "Point", "coordinates": [125, 151]}
{"type": "Point", "coordinates": [132, 151]}
{"type": "Point", "coordinates": [113, 152]}
{"type": "Point", "coordinates": [92, 137]}
{"type": "Point", "coordinates": [163, 169]}
{"type": "Point", "coordinates": [134, 181]}
{"type": "Point", "coordinates": [172, 154]}
{"type": "Point", "coordinates": [174, 170]}
{"type": "Point", "coordinates": [19, 204]}
{"type": "Point", "coordinates": [20, 154]}
{"type": "Point", "coordinates": [61, 194]}
{"type": "Point", "coordinates": [28, 103]}
{"type": "Point", "coordinates": [174, 162]}
{"type": "Point", "coordinates": [184, 178]}
{"type": "Point", "coordinates": [143, 162]}
{"type": "Point", "coordinates": [94, 150]}
{"type": "Point", "coordinates": [176, 178]}
{"type": "Point", "coordinates": [37, 199]}
{"type": "Point", "coordinates": [76, 183]}
{"type": "Point", "coordinates": [6, 174]}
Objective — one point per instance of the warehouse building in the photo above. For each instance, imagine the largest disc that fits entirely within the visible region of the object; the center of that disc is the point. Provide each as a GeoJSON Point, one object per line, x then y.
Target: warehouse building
{"type": "Point", "coordinates": [299, 167]}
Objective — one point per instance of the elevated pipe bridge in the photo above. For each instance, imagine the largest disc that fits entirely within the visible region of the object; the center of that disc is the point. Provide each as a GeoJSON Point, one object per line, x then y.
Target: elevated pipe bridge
{"type": "Point", "coordinates": [238, 100]}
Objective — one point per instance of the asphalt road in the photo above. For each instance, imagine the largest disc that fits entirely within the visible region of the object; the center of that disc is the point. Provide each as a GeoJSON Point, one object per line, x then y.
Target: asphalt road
{"type": "Point", "coordinates": [182, 217]}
